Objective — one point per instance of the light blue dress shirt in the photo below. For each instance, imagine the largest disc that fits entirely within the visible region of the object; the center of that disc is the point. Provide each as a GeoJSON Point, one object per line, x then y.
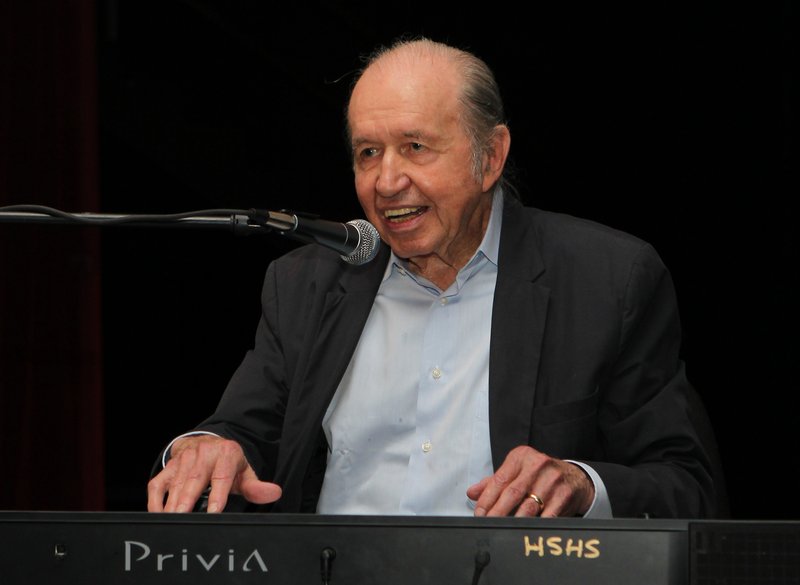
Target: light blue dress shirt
{"type": "Point", "coordinates": [408, 427]}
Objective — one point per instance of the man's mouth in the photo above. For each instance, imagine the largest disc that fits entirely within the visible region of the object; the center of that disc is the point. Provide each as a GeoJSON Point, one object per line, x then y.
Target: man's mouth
{"type": "Point", "coordinates": [404, 213]}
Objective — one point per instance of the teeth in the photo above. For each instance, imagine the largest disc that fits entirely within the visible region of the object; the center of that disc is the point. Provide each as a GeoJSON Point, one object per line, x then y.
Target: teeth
{"type": "Point", "coordinates": [399, 212]}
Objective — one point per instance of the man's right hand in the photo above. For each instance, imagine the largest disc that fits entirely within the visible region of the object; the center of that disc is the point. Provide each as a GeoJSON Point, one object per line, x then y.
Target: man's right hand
{"type": "Point", "coordinates": [199, 461]}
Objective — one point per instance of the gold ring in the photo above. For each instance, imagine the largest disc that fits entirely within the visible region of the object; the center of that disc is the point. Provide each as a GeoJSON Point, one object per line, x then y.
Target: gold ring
{"type": "Point", "coordinates": [537, 499]}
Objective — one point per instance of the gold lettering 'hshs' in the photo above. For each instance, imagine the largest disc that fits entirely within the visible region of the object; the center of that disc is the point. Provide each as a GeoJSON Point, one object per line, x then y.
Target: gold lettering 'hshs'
{"type": "Point", "coordinates": [556, 546]}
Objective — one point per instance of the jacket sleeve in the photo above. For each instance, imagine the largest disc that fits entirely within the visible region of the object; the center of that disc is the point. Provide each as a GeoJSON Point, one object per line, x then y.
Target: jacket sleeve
{"type": "Point", "coordinates": [655, 462]}
{"type": "Point", "coordinates": [251, 408]}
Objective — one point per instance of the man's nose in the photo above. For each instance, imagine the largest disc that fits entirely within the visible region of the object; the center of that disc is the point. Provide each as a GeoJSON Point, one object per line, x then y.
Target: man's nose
{"type": "Point", "coordinates": [392, 177]}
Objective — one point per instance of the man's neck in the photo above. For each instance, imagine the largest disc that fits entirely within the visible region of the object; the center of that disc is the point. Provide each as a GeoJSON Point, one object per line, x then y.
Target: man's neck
{"type": "Point", "coordinates": [442, 267]}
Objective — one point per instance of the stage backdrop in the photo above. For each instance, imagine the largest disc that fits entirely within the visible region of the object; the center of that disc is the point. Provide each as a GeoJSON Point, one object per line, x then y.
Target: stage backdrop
{"type": "Point", "coordinates": [51, 401]}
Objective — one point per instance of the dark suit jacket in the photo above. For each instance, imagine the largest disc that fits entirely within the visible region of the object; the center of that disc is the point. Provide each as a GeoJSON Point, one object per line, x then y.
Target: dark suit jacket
{"type": "Point", "coordinates": [584, 364]}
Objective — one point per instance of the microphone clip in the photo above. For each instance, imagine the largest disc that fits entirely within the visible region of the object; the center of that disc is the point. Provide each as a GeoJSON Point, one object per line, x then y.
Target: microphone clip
{"type": "Point", "coordinates": [282, 220]}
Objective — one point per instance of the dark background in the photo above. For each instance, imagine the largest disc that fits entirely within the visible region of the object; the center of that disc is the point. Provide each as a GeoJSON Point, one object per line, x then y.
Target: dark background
{"type": "Point", "coordinates": [672, 121]}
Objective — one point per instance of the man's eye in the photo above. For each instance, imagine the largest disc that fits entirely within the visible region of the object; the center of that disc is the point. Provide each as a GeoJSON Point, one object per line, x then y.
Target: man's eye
{"type": "Point", "coordinates": [368, 152]}
{"type": "Point", "coordinates": [417, 147]}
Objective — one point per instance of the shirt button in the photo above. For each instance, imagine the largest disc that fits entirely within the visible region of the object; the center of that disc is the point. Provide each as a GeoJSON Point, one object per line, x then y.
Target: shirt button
{"type": "Point", "coordinates": [426, 447]}
{"type": "Point", "coordinates": [436, 373]}
{"type": "Point", "coordinates": [443, 301]}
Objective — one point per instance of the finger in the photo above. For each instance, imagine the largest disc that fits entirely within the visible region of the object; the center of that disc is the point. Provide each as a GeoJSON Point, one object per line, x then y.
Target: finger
{"type": "Point", "coordinates": [191, 478]}
{"type": "Point", "coordinates": [157, 491]}
{"type": "Point", "coordinates": [489, 495]}
{"type": "Point", "coordinates": [230, 465]}
{"type": "Point", "coordinates": [218, 494]}
{"type": "Point", "coordinates": [530, 506]}
{"type": "Point", "coordinates": [510, 499]}
{"type": "Point", "coordinates": [233, 474]}
{"type": "Point", "coordinates": [502, 493]}
{"type": "Point", "coordinates": [505, 490]}
{"type": "Point", "coordinates": [257, 491]}
{"type": "Point", "coordinates": [252, 489]}
{"type": "Point", "coordinates": [475, 490]}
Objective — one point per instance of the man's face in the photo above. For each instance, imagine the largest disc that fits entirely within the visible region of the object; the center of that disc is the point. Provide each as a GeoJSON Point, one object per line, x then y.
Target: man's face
{"type": "Point", "coordinates": [413, 162]}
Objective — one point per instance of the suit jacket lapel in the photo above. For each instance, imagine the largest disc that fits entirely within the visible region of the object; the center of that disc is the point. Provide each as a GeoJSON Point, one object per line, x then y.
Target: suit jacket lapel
{"type": "Point", "coordinates": [518, 324]}
{"type": "Point", "coordinates": [341, 322]}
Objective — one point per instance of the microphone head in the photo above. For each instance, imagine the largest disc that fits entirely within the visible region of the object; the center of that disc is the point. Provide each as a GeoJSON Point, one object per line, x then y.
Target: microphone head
{"type": "Point", "coordinates": [368, 243]}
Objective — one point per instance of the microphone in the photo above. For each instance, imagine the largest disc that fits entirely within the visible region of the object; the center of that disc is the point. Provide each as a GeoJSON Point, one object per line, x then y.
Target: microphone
{"type": "Point", "coordinates": [356, 241]}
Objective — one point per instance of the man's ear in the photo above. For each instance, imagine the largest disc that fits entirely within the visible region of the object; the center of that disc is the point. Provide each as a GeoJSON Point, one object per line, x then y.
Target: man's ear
{"type": "Point", "coordinates": [494, 157]}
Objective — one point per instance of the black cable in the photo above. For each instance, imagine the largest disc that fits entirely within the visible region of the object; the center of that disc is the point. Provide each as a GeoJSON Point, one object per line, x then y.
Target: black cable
{"type": "Point", "coordinates": [326, 564]}
{"type": "Point", "coordinates": [115, 219]}
{"type": "Point", "coordinates": [482, 559]}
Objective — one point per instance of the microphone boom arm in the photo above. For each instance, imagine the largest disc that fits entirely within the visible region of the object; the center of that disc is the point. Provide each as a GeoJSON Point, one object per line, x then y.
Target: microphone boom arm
{"type": "Point", "coordinates": [237, 220]}
{"type": "Point", "coordinates": [356, 241]}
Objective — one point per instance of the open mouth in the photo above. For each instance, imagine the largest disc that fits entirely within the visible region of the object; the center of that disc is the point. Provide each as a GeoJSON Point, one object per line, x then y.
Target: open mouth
{"type": "Point", "coordinates": [404, 214]}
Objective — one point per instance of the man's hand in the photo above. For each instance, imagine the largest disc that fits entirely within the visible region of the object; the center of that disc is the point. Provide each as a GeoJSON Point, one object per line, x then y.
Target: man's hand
{"type": "Point", "coordinates": [562, 487]}
{"type": "Point", "coordinates": [202, 460]}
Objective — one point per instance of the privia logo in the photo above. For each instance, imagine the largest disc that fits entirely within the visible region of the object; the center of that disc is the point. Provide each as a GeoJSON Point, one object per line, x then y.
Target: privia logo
{"type": "Point", "coordinates": [186, 561]}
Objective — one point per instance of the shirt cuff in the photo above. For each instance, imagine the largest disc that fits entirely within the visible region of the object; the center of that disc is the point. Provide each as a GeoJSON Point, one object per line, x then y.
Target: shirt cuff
{"type": "Point", "coordinates": [601, 506]}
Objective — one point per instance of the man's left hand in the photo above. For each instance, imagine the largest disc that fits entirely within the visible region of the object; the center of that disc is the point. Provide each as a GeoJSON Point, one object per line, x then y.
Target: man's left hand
{"type": "Point", "coordinates": [530, 483]}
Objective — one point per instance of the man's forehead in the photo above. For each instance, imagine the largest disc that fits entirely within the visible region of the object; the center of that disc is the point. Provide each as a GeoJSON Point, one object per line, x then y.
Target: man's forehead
{"type": "Point", "coordinates": [408, 135]}
{"type": "Point", "coordinates": [420, 92]}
